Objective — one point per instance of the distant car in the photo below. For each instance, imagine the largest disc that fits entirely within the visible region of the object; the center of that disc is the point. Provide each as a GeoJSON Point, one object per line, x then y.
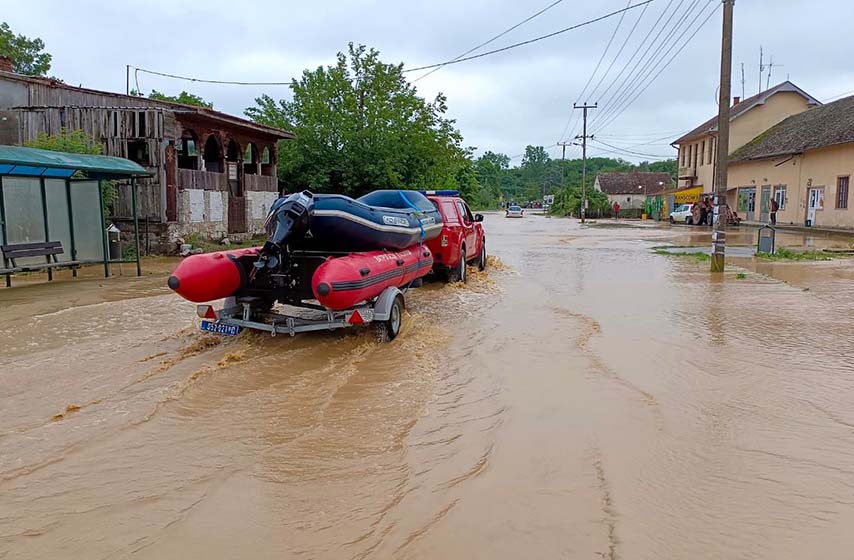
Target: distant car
{"type": "Point", "coordinates": [515, 212]}
{"type": "Point", "coordinates": [462, 240]}
{"type": "Point", "coordinates": [682, 214]}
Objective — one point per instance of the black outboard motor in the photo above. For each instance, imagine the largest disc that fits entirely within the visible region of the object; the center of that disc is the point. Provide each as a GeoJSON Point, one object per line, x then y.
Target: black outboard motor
{"type": "Point", "coordinates": [288, 218]}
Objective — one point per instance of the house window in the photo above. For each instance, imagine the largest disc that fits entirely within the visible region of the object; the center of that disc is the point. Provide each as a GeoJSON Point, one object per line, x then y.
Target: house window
{"type": "Point", "coordinates": [780, 196]}
{"type": "Point", "coordinates": [842, 193]}
{"type": "Point", "coordinates": [703, 153]}
{"type": "Point", "coordinates": [711, 150]}
{"type": "Point", "coordinates": [140, 128]}
{"type": "Point", "coordinates": [138, 152]}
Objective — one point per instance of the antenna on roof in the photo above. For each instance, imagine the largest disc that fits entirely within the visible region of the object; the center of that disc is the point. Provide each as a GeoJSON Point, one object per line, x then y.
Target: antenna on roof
{"type": "Point", "coordinates": [761, 68]}
{"type": "Point", "coordinates": [771, 66]}
{"type": "Point", "coordinates": [742, 81]}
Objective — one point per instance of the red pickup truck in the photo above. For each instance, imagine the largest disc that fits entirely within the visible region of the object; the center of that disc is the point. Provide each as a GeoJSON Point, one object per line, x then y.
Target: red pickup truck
{"type": "Point", "coordinates": [462, 239]}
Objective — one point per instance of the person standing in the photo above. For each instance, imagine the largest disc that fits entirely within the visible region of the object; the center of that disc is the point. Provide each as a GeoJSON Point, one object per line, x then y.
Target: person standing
{"type": "Point", "coordinates": [774, 207]}
{"type": "Point", "coordinates": [616, 209]}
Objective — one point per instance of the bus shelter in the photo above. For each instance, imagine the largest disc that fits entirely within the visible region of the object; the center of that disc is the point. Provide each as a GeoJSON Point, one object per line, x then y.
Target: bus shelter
{"type": "Point", "coordinates": [52, 199]}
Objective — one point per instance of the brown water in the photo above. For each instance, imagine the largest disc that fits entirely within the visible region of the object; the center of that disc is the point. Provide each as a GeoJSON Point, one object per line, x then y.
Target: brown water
{"type": "Point", "coordinates": [589, 401]}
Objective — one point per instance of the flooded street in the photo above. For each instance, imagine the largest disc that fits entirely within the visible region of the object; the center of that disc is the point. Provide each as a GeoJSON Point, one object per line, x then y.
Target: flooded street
{"type": "Point", "coordinates": [587, 398]}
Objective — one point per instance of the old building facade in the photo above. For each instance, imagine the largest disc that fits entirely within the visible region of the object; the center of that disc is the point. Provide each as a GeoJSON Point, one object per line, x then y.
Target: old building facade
{"type": "Point", "coordinates": [805, 164]}
{"type": "Point", "coordinates": [214, 174]}
{"type": "Point", "coordinates": [749, 118]}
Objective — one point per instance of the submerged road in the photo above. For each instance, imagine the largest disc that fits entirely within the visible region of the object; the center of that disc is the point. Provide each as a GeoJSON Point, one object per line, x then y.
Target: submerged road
{"type": "Point", "coordinates": [587, 399]}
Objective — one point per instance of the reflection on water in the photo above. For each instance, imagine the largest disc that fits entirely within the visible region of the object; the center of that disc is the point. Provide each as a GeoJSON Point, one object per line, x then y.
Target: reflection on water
{"type": "Point", "coordinates": [589, 399]}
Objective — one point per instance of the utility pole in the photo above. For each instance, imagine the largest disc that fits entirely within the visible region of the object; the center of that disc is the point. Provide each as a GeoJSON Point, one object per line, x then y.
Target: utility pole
{"type": "Point", "coordinates": [720, 216]}
{"type": "Point", "coordinates": [584, 138]}
{"type": "Point", "coordinates": [127, 79]}
{"type": "Point", "coordinates": [563, 146]}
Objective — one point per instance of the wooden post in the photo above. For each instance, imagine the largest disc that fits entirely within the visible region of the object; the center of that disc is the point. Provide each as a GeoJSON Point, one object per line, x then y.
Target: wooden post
{"type": "Point", "coordinates": [135, 224]}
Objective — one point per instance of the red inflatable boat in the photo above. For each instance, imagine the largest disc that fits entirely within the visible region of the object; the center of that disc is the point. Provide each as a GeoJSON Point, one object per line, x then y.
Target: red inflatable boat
{"type": "Point", "coordinates": [336, 282]}
{"type": "Point", "coordinates": [340, 283]}
{"type": "Point", "coordinates": [210, 276]}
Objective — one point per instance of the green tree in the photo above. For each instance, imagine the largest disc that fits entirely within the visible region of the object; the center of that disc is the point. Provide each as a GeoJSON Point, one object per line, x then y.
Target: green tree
{"type": "Point", "coordinates": [77, 142]}
{"type": "Point", "coordinates": [490, 168]}
{"type": "Point", "coordinates": [360, 126]}
{"type": "Point", "coordinates": [28, 56]}
{"type": "Point", "coordinates": [184, 97]}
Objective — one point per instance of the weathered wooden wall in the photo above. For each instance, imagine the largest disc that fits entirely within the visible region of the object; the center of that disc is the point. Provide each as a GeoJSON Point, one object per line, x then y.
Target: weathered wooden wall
{"type": "Point", "coordinates": [203, 180]}
{"type": "Point", "coordinates": [260, 183]}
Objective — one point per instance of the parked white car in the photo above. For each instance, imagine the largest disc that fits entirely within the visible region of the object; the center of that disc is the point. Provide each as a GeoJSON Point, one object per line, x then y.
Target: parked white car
{"type": "Point", "coordinates": [515, 212]}
{"type": "Point", "coordinates": [682, 214]}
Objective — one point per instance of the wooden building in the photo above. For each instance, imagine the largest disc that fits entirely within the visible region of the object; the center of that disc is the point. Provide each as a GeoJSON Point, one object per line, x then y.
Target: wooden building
{"type": "Point", "coordinates": [213, 173]}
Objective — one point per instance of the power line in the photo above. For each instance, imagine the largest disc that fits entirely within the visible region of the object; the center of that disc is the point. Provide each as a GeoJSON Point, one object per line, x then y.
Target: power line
{"type": "Point", "coordinates": [605, 75]}
{"type": "Point", "coordinates": [628, 95]}
{"type": "Point", "coordinates": [595, 70]}
{"type": "Point", "coordinates": [663, 68]}
{"type": "Point", "coordinates": [529, 41]}
{"type": "Point", "coordinates": [206, 81]}
{"type": "Point", "coordinates": [637, 51]}
{"type": "Point", "coordinates": [631, 152]}
{"type": "Point", "coordinates": [643, 62]}
{"type": "Point", "coordinates": [502, 34]}
{"type": "Point", "coordinates": [835, 97]}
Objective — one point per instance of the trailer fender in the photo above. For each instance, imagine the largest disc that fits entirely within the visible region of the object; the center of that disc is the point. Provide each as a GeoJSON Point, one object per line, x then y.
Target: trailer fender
{"type": "Point", "coordinates": [382, 309]}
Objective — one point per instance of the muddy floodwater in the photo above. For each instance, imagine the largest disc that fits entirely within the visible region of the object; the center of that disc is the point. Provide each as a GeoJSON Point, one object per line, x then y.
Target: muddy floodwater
{"type": "Point", "coordinates": [587, 399]}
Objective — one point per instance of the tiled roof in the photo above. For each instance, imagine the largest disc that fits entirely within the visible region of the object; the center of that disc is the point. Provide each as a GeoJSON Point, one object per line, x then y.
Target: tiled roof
{"type": "Point", "coordinates": [745, 105]}
{"type": "Point", "coordinates": [815, 128]}
{"type": "Point", "coordinates": [628, 183]}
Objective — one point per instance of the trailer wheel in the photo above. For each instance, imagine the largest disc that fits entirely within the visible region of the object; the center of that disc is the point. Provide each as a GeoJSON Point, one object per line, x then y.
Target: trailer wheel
{"type": "Point", "coordinates": [389, 329]}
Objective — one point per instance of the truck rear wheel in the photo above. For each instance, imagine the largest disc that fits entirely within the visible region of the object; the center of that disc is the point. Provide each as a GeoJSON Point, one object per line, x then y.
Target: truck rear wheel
{"type": "Point", "coordinates": [458, 274]}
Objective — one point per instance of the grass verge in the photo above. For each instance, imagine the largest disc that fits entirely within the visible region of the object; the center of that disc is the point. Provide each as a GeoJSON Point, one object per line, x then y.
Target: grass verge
{"type": "Point", "coordinates": [784, 254]}
{"type": "Point", "coordinates": [695, 255]}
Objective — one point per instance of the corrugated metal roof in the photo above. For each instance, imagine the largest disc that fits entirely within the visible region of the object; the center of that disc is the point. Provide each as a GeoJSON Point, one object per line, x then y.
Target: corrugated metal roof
{"type": "Point", "coordinates": [15, 160]}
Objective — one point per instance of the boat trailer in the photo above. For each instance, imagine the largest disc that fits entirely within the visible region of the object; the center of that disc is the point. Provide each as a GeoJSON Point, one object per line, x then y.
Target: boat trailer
{"type": "Point", "coordinates": [385, 312]}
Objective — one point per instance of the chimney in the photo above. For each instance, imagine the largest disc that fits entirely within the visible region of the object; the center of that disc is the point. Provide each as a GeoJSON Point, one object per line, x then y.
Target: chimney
{"type": "Point", "coordinates": [736, 101]}
{"type": "Point", "coordinates": [5, 64]}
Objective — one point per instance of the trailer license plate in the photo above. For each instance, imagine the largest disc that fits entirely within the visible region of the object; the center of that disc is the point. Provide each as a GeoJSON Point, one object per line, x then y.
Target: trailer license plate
{"type": "Point", "coordinates": [220, 328]}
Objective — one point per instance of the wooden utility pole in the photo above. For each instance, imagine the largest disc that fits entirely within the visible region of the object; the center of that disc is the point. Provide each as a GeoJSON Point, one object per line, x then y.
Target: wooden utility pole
{"type": "Point", "coordinates": [584, 138]}
{"type": "Point", "coordinates": [720, 215]}
{"type": "Point", "coordinates": [563, 145]}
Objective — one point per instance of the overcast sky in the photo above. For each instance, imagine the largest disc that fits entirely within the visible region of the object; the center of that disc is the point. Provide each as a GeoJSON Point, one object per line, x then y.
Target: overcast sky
{"type": "Point", "coordinates": [501, 102]}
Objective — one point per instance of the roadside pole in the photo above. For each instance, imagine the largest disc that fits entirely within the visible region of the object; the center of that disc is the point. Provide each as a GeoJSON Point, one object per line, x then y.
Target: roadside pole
{"type": "Point", "coordinates": [584, 138]}
{"type": "Point", "coordinates": [563, 145]}
{"type": "Point", "coordinates": [719, 232]}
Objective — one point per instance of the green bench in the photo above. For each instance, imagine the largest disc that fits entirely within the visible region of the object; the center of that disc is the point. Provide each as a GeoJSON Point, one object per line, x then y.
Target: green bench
{"type": "Point", "coordinates": [48, 249]}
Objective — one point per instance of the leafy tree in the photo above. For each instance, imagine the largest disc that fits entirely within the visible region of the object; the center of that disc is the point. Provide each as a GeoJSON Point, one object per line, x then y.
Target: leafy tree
{"type": "Point", "coordinates": [77, 142]}
{"type": "Point", "coordinates": [183, 97]}
{"type": "Point", "coordinates": [490, 167]}
{"type": "Point", "coordinates": [28, 56]}
{"type": "Point", "coordinates": [360, 126]}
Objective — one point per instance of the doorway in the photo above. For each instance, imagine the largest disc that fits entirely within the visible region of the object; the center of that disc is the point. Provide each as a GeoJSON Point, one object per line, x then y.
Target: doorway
{"type": "Point", "coordinates": [815, 201]}
{"type": "Point", "coordinates": [236, 198]}
{"type": "Point", "coordinates": [747, 202]}
{"type": "Point", "coordinates": [765, 204]}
